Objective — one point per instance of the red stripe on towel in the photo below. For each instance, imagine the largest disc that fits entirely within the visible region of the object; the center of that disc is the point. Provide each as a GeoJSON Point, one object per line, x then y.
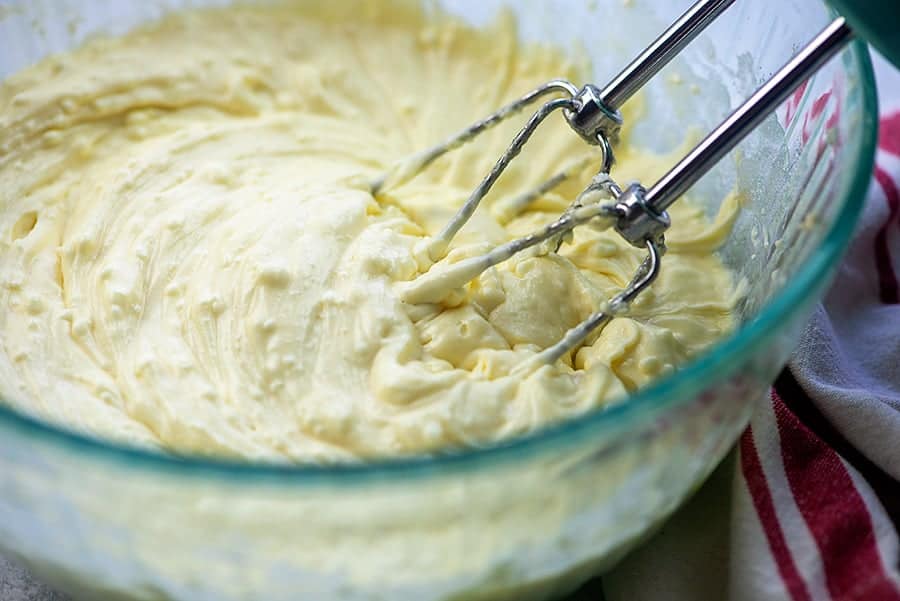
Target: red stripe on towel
{"type": "Point", "coordinates": [889, 137]}
{"type": "Point", "coordinates": [751, 467]}
{"type": "Point", "coordinates": [800, 404]}
{"type": "Point", "coordinates": [834, 511]}
{"type": "Point", "coordinates": [888, 288]}
{"type": "Point", "coordinates": [793, 103]}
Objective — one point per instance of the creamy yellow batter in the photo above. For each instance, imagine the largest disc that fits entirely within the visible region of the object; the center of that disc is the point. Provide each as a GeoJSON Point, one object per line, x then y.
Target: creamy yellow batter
{"type": "Point", "coordinates": [191, 258]}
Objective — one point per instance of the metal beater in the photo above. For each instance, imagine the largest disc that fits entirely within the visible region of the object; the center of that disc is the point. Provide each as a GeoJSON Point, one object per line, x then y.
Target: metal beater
{"type": "Point", "coordinates": [637, 213]}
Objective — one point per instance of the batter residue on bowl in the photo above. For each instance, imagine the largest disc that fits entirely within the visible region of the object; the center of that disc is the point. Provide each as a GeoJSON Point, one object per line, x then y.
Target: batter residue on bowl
{"type": "Point", "coordinates": [191, 259]}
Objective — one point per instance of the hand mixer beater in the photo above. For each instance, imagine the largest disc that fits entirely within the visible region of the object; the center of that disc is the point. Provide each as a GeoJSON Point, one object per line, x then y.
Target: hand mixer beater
{"type": "Point", "coordinates": [636, 212]}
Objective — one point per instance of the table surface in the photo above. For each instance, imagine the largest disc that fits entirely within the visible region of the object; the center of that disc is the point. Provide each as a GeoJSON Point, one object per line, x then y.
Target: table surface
{"type": "Point", "coordinates": [17, 584]}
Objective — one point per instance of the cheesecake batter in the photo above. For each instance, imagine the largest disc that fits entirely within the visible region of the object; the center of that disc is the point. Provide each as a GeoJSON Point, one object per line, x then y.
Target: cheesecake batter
{"type": "Point", "coordinates": [191, 258]}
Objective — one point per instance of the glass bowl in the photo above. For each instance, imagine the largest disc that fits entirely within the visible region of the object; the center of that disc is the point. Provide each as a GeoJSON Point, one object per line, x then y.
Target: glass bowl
{"type": "Point", "coordinates": [527, 519]}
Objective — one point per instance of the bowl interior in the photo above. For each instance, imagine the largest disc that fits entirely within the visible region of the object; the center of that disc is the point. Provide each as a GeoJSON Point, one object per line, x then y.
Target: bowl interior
{"type": "Point", "coordinates": [795, 194]}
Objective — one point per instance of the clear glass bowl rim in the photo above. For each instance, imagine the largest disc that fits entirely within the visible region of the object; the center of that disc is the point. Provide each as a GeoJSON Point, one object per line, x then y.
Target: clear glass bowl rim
{"type": "Point", "coordinates": [714, 366]}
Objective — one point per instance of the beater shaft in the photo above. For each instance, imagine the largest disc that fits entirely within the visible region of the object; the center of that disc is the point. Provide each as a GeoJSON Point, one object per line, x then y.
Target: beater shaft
{"type": "Point", "coordinates": [746, 118]}
{"type": "Point", "coordinates": [658, 54]}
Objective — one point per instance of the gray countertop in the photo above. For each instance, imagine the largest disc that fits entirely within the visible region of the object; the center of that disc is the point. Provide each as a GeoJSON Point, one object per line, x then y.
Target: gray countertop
{"type": "Point", "coordinates": [16, 584]}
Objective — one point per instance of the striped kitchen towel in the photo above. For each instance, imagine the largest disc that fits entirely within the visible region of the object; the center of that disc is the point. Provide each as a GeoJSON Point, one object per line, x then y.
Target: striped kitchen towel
{"type": "Point", "coordinates": [808, 508]}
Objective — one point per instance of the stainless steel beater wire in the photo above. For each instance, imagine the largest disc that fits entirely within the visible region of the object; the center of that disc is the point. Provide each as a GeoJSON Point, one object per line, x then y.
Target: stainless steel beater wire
{"type": "Point", "coordinates": [512, 207]}
{"type": "Point", "coordinates": [567, 222]}
{"type": "Point", "coordinates": [520, 203]}
{"type": "Point", "coordinates": [410, 168]}
{"type": "Point", "coordinates": [468, 269]}
{"type": "Point", "coordinates": [658, 54]}
{"type": "Point", "coordinates": [440, 244]}
{"type": "Point", "coordinates": [646, 274]}
{"type": "Point", "coordinates": [746, 118]}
